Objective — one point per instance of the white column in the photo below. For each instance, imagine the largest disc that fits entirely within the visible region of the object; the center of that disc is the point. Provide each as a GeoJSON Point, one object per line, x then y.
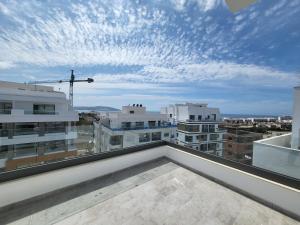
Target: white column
{"type": "Point", "coordinates": [296, 119]}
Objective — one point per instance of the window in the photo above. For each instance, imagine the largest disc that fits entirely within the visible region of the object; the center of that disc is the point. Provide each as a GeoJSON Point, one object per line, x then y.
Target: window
{"type": "Point", "coordinates": [211, 128]}
{"type": "Point", "coordinates": [3, 151]}
{"type": "Point", "coordinates": [55, 127]}
{"type": "Point", "coordinates": [171, 115]}
{"type": "Point", "coordinates": [212, 146]}
{"type": "Point", "coordinates": [116, 140]}
{"type": "Point", "coordinates": [126, 125]}
{"type": "Point", "coordinates": [55, 146]}
{"type": "Point", "coordinates": [139, 125]}
{"type": "Point", "coordinates": [189, 128]}
{"type": "Point", "coordinates": [131, 112]}
{"type": "Point", "coordinates": [188, 138]}
{"type": "Point", "coordinates": [5, 107]}
{"type": "Point", "coordinates": [192, 117]}
{"type": "Point", "coordinates": [166, 134]}
{"type": "Point", "coordinates": [229, 146]}
{"type": "Point", "coordinates": [202, 137]}
{"type": "Point", "coordinates": [156, 136]}
{"type": "Point", "coordinates": [205, 128]}
{"type": "Point", "coordinates": [25, 150]}
{"type": "Point", "coordinates": [158, 123]}
{"type": "Point", "coordinates": [151, 124]}
{"type": "Point", "coordinates": [214, 117]}
{"type": "Point", "coordinates": [214, 137]}
{"type": "Point", "coordinates": [199, 117]}
{"type": "Point", "coordinates": [25, 129]}
{"type": "Point", "coordinates": [203, 147]}
{"type": "Point", "coordinates": [145, 137]}
{"type": "Point", "coordinates": [192, 128]}
{"type": "Point", "coordinates": [43, 109]}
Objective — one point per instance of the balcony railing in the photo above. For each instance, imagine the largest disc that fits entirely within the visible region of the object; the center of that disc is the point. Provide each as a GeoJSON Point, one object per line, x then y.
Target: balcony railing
{"type": "Point", "coordinates": [5, 111]}
{"type": "Point", "coordinates": [138, 127]}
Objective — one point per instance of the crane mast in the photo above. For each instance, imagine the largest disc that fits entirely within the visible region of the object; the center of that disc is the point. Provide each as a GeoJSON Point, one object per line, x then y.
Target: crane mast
{"type": "Point", "coordinates": [71, 81]}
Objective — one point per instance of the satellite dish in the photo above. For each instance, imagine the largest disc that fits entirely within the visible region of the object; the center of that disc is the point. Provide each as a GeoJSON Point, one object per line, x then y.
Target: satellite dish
{"type": "Point", "coordinates": [237, 5]}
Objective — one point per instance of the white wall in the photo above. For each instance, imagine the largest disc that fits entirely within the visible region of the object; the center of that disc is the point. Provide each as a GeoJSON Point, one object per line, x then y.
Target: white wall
{"type": "Point", "coordinates": [276, 158]}
{"type": "Point", "coordinates": [296, 119]}
{"type": "Point", "coordinates": [279, 195]}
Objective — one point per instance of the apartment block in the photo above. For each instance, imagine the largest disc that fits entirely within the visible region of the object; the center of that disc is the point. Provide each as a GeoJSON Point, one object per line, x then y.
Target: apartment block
{"type": "Point", "coordinates": [132, 126]}
{"type": "Point", "coordinates": [36, 125]}
{"type": "Point", "coordinates": [239, 144]}
{"type": "Point", "coordinates": [197, 126]}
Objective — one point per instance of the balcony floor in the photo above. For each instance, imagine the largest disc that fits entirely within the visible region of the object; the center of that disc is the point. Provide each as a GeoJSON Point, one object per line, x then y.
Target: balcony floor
{"type": "Point", "coordinates": [158, 192]}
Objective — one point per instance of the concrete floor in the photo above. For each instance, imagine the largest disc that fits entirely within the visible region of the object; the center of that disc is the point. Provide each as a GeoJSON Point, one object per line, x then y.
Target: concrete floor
{"type": "Point", "coordinates": [159, 192]}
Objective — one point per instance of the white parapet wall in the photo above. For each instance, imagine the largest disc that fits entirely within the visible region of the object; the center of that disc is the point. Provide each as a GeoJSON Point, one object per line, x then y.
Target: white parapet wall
{"type": "Point", "coordinates": [276, 155]}
{"type": "Point", "coordinates": [275, 194]}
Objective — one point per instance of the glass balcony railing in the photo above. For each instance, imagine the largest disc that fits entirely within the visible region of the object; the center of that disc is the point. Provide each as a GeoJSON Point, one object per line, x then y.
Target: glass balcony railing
{"type": "Point", "coordinates": [5, 111]}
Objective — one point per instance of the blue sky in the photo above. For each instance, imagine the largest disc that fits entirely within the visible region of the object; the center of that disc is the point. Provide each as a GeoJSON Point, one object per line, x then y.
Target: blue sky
{"type": "Point", "coordinates": [157, 52]}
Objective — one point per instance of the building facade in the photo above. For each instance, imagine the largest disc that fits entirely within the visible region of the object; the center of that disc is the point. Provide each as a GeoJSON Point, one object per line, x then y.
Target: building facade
{"type": "Point", "coordinates": [36, 125]}
{"type": "Point", "coordinates": [197, 126]}
{"type": "Point", "coordinates": [281, 154]}
{"type": "Point", "coordinates": [238, 144]}
{"type": "Point", "coordinates": [131, 126]}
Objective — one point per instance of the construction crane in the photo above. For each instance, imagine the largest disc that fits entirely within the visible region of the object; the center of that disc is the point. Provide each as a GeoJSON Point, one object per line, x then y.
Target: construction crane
{"type": "Point", "coordinates": [71, 81]}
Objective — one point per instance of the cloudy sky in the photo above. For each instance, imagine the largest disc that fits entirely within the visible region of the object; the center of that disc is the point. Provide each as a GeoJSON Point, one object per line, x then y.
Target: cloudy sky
{"type": "Point", "coordinates": [157, 52]}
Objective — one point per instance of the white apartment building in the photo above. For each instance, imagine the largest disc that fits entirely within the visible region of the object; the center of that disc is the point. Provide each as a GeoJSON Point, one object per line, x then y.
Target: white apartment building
{"type": "Point", "coordinates": [281, 154]}
{"type": "Point", "coordinates": [131, 126]}
{"type": "Point", "coordinates": [36, 125]}
{"type": "Point", "coordinates": [197, 126]}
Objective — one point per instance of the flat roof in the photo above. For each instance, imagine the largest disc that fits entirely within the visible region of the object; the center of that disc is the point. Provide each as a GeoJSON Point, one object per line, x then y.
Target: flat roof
{"type": "Point", "coordinates": [156, 192]}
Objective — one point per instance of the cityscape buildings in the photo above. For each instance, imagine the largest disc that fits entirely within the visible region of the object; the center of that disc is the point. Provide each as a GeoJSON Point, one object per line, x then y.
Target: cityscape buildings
{"type": "Point", "coordinates": [131, 126]}
{"type": "Point", "coordinates": [36, 125]}
{"type": "Point", "coordinates": [197, 126]}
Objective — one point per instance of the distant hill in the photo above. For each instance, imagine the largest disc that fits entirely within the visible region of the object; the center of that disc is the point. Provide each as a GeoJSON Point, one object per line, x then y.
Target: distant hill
{"type": "Point", "coordinates": [95, 108]}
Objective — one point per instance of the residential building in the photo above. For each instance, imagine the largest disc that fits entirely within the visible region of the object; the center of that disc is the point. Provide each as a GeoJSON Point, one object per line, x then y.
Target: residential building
{"type": "Point", "coordinates": [36, 125]}
{"type": "Point", "coordinates": [197, 126]}
{"type": "Point", "coordinates": [238, 144]}
{"type": "Point", "coordinates": [131, 126]}
{"type": "Point", "coordinates": [281, 154]}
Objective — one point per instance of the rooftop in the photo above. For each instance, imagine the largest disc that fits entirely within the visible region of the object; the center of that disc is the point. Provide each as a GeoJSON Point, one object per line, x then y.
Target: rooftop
{"type": "Point", "coordinates": [155, 192]}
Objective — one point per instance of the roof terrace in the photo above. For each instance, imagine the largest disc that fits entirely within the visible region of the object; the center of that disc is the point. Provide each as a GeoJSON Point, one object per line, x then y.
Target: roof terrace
{"type": "Point", "coordinates": [152, 184]}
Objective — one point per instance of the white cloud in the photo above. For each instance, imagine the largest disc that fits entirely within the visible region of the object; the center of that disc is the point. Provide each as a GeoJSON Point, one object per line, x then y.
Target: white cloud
{"type": "Point", "coordinates": [6, 65]}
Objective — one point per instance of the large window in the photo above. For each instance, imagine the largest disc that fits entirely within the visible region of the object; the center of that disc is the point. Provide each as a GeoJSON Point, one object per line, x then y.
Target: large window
{"type": "Point", "coordinates": [139, 125]}
{"type": "Point", "coordinates": [126, 125]}
{"type": "Point", "coordinates": [188, 127]}
{"type": "Point", "coordinates": [156, 136]}
{"type": "Point", "coordinates": [3, 152]}
{"type": "Point", "coordinates": [202, 137]}
{"type": "Point", "coordinates": [203, 147]}
{"type": "Point", "coordinates": [43, 109]}
{"type": "Point", "coordinates": [55, 127]}
{"type": "Point", "coordinates": [205, 128]}
{"type": "Point", "coordinates": [116, 140]}
{"type": "Point", "coordinates": [5, 107]}
{"type": "Point", "coordinates": [211, 128]}
{"type": "Point", "coordinates": [214, 137]}
{"type": "Point", "coordinates": [188, 138]}
{"type": "Point", "coordinates": [151, 124]}
{"type": "Point", "coordinates": [23, 150]}
{"type": "Point", "coordinates": [25, 129]}
{"type": "Point", "coordinates": [212, 146]}
{"type": "Point", "coordinates": [192, 117]}
{"type": "Point", "coordinates": [145, 137]}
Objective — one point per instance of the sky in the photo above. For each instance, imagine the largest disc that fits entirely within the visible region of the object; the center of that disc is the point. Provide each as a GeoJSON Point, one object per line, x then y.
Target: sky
{"type": "Point", "coordinates": [157, 53]}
